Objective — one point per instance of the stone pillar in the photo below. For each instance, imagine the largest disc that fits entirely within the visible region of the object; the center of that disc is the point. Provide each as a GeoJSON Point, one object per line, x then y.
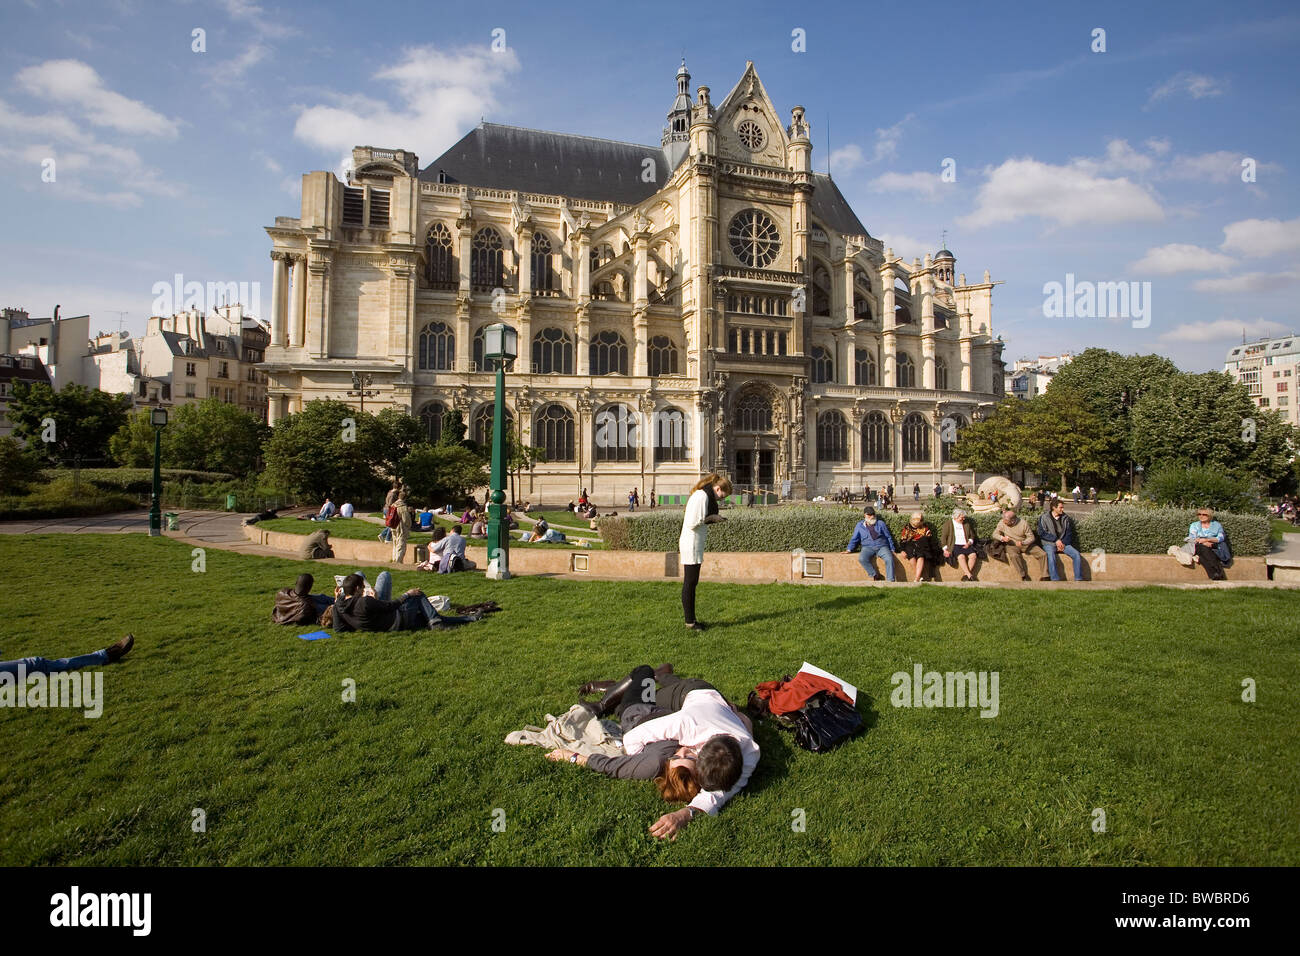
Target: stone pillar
{"type": "Point", "coordinates": [641, 347]}
{"type": "Point", "coordinates": [582, 356]}
{"type": "Point", "coordinates": [927, 324]}
{"type": "Point", "coordinates": [465, 230]}
{"type": "Point", "coordinates": [525, 240]}
{"type": "Point", "coordinates": [888, 343]}
{"type": "Point", "coordinates": [279, 275]}
{"type": "Point", "coordinates": [965, 346]}
{"type": "Point", "coordinates": [849, 362]}
{"type": "Point", "coordinates": [318, 308]}
{"type": "Point", "coordinates": [641, 276]}
{"type": "Point", "coordinates": [298, 312]}
{"type": "Point", "coordinates": [583, 291]}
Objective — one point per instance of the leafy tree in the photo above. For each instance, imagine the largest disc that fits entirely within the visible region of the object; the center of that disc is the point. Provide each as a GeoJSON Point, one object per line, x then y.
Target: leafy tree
{"type": "Point", "coordinates": [1208, 419]}
{"type": "Point", "coordinates": [213, 435]}
{"type": "Point", "coordinates": [1065, 438]}
{"type": "Point", "coordinates": [997, 444]}
{"type": "Point", "coordinates": [443, 474]}
{"type": "Point", "coordinates": [520, 458]}
{"type": "Point", "coordinates": [309, 453]}
{"type": "Point", "coordinates": [132, 445]}
{"type": "Point", "coordinates": [85, 419]}
{"type": "Point", "coordinates": [401, 433]}
{"type": "Point", "coordinates": [18, 467]}
{"type": "Point", "coordinates": [453, 428]}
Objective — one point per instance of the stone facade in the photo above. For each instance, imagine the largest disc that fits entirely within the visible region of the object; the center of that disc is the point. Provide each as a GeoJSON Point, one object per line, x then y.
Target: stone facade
{"type": "Point", "coordinates": [710, 304]}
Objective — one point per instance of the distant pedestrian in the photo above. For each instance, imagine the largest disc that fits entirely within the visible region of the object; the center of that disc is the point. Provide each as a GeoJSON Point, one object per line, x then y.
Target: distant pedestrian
{"type": "Point", "coordinates": [916, 491]}
{"type": "Point", "coordinates": [401, 527]}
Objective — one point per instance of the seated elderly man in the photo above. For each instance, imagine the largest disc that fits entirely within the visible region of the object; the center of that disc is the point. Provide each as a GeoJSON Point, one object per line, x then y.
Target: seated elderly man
{"type": "Point", "coordinates": [1020, 540]}
{"type": "Point", "coordinates": [1056, 531]}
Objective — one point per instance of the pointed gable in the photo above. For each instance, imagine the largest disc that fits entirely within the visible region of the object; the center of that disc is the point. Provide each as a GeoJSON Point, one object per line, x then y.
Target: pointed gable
{"type": "Point", "coordinates": [750, 129]}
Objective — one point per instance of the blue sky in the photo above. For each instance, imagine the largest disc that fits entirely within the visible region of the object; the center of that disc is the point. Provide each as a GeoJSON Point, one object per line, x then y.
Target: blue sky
{"type": "Point", "coordinates": [1115, 166]}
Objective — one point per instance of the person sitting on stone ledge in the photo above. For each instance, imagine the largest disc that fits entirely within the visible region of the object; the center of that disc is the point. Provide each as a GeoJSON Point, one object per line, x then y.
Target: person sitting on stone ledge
{"type": "Point", "coordinates": [1019, 537]}
{"type": "Point", "coordinates": [1056, 531]}
{"type": "Point", "coordinates": [872, 535]}
{"type": "Point", "coordinates": [920, 550]}
{"type": "Point", "coordinates": [316, 545]}
{"type": "Point", "coordinates": [959, 543]}
{"type": "Point", "coordinates": [1207, 545]}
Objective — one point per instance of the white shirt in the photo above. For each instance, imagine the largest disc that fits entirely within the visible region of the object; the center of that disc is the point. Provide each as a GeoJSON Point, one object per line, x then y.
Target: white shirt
{"type": "Point", "coordinates": [690, 545]}
{"type": "Point", "coordinates": [959, 529]}
{"type": "Point", "coordinates": [704, 714]}
{"type": "Point", "coordinates": [347, 511]}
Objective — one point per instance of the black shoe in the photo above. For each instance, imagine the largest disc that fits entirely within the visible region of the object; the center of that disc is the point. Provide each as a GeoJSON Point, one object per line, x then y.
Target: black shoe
{"type": "Point", "coordinates": [119, 650]}
{"type": "Point", "coordinates": [613, 697]}
{"type": "Point", "coordinates": [694, 626]}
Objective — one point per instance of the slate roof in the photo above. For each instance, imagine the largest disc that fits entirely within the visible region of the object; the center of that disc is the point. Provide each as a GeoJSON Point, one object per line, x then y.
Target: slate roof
{"type": "Point", "coordinates": [830, 207]}
{"type": "Point", "coordinates": [24, 368]}
{"type": "Point", "coordinates": [175, 342]}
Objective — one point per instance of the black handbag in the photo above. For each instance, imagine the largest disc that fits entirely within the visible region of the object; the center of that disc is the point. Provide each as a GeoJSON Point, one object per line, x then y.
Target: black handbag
{"type": "Point", "coordinates": [824, 722]}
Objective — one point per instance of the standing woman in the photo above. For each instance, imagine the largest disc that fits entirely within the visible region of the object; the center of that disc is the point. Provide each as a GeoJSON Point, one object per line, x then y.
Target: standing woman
{"type": "Point", "coordinates": [701, 510]}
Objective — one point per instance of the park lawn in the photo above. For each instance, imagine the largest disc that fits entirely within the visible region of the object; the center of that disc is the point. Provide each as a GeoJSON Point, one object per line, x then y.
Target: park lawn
{"type": "Point", "coordinates": [360, 530]}
{"type": "Point", "coordinates": [1126, 701]}
{"type": "Point", "coordinates": [1280, 528]}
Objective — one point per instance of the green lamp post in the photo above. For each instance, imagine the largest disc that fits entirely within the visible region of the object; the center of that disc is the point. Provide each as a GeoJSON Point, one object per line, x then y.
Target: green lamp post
{"type": "Point", "coordinates": [157, 418]}
{"type": "Point", "coordinates": [500, 346]}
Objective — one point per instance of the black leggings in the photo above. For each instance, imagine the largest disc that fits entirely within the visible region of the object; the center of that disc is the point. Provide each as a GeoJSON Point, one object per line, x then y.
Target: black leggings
{"type": "Point", "coordinates": [1211, 562]}
{"type": "Point", "coordinates": [690, 578]}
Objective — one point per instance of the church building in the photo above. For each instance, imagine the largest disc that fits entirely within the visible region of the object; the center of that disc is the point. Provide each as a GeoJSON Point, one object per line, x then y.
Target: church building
{"type": "Point", "coordinates": [708, 304]}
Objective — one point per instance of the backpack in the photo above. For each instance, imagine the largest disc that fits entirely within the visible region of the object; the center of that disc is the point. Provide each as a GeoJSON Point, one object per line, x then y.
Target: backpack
{"type": "Point", "coordinates": [391, 520]}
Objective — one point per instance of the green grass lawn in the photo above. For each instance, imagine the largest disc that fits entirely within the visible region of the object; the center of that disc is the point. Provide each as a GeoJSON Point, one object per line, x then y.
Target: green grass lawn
{"type": "Point", "coordinates": [1128, 701]}
{"type": "Point", "coordinates": [358, 529]}
{"type": "Point", "coordinates": [1283, 527]}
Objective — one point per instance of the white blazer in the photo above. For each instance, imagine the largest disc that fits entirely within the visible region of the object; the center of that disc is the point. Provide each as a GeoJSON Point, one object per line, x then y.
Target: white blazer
{"type": "Point", "coordinates": [690, 546]}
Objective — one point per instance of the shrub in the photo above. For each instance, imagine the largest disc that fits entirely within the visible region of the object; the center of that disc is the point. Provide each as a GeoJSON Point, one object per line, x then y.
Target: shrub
{"type": "Point", "coordinates": [18, 469]}
{"type": "Point", "coordinates": [139, 481]}
{"type": "Point", "coordinates": [1134, 529]}
{"type": "Point", "coordinates": [1202, 486]}
{"type": "Point", "coordinates": [62, 498]}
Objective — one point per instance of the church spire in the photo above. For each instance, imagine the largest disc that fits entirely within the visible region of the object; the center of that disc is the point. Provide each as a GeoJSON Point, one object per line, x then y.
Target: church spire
{"type": "Point", "coordinates": [676, 141]}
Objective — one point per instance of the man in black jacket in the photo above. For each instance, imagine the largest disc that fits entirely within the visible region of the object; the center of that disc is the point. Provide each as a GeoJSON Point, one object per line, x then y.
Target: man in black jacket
{"type": "Point", "coordinates": [354, 610]}
{"type": "Point", "coordinates": [1056, 531]}
{"type": "Point", "coordinates": [297, 605]}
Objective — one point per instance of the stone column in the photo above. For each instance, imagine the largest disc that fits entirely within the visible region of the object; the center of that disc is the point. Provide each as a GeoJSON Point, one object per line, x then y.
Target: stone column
{"type": "Point", "coordinates": [525, 240]}
{"type": "Point", "coordinates": [582, 356]}
{"type": "Point", "coordinates": [888, 343]}
{"type": "Point", "coordinates": [583, 271]}
{"type": "Point", "coordinates": [318, 308]}
{"type": "Point", "coordinates": [927, 324]}
{"type": "Point", "coordinates": [965, 346]}
{"type": "Point", "coordinates": [279, 275]}
{"type": "Point", "coordinates": [641, 347]}
{"type": "Point", "coordinates": [465, 230]}
{"type": "Point", "coordinates": [298, 313]}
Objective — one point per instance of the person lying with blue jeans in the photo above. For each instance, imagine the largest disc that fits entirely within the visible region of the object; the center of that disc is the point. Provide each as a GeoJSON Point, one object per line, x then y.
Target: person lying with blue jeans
{"type": "Point", "coordinates": [44, 665]}
{"type": "Point", "coordinates": [1056, 531]}
{"type": "Point", "coordinates": [354, 610]}
{"type": "Point", "coordinates": [872, 535]}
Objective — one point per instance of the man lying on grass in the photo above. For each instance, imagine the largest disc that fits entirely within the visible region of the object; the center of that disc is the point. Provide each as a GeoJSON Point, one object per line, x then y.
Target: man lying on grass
{"type": "Point", "coordinates": [694, 744]}
{"type": "Point", "coordinates": [354, 610]}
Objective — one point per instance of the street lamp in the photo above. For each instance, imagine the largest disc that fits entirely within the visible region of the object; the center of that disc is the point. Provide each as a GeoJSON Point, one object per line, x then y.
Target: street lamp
{"type": "Point", "coordinates": [157, 418]}
{"type": "Point", "coordinates": [500, 346]}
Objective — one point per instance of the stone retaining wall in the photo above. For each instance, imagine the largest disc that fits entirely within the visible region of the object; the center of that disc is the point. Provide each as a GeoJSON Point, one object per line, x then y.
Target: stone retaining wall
{"type": "Point", "coordinates": [759, 567]}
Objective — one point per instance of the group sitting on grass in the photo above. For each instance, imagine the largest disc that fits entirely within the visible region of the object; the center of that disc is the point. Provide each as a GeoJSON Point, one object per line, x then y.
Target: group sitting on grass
{"type": "Point", "coordinates": [697, 747]}
{"type": "Point", "coordinates": [356, 606]}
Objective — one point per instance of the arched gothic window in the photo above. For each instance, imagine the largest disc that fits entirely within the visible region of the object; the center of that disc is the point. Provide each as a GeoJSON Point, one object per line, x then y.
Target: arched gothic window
{"type": "Point", "coordinates": [486, 262]}
{"type": "Point", "coordinates": [615, 435]}
{"type": "Point", "coordinates": [431, 417]}
{"type": "Point", "coordinates": [543, 265]}
{"type": "Point", "coordinates": [823, 365]}
{"type": "Point", "coordinates": [553, 433]}
{"type": "Point", "coordinates": [832, 436]}
{"type": "Point", "coordinates": [553, 352]}
{"type": "Point", "coordinates": [877, 438]}
{"type": "Point", "coordinates": [608, 354]}
{"type": "Point", "coordinates": [864, 367]}
{"type": "Point", "coordinates": [916, 438]}
{"type": "Point", "coordinates": [440, 270]}
{"type": "Point", "coordinates": [906, 371]}
{"type": "Point", "coordinates": [754, 414]}
{"type": "Point", "coordinates": [437, 347]}
{"type": "Point", "coordinates": [940, 373]}
{"type": "Point", "coordinates": [663, 356]}
{"type": "Point", "coordinates": [481, 425]}
{"type": "Point", "coordinates": [670, 434]}
{"type": "Point", "coordinates": [952, 431]}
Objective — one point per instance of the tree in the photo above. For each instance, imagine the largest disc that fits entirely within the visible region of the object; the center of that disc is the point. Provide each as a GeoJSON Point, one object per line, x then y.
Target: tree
{"type": "Point", "coordinates": [520, 457]}
{"type": "Point", "coordinates": [18, 467]}
{"type": "Point", "coordinates": [443, 474]}
{"type": "Point", "coordinates": [453, 428]}
{"type": "Point", "coordinates": [84, 420]}
{"type": "Point", "coordinates": [132, 445]}
{"type": "Point", "coordinates": [213, 435]}
{"type": "Point", "coordinates": [327, 448]}
{"type": "Point", "coordinates": [1064, 437]}
{"type": "Point", "coordinates": [401, 433]}
{"type": "Point", "coordinates": [997, 444]}
{"type": "Point", "coordinates": [1201, 486]}
{"type": "Point", "coordinates": [1208, 419]}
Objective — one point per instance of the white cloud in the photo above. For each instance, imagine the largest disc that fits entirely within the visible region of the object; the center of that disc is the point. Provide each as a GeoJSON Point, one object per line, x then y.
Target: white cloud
{"type": "Point", "coordinates": [1247, 283]}
{"type": "Point", "coordinates": [1196, 85]}
{"type": "Point", "coordinates": [887, 139]}
{"type": "Point", "coordinates": [1262, 237]}
{"type": "Point", "coordinates": [1223, 329]}
{"type": "Point", "coordinates": [923, 184]}
{"type": "Point", "coordinates": [1120, 158]}
{"type": "Point", "coordinates": [1065, 195]}
{"type": "Point", "coordinates": [905, 247]}
{"type": "Point", "coordinates": [1158, 146]}
{"type": "Point", "coordinates": [76, 84]}
{"type": "Point", "coordinates": [846, 158]}
{"type": "Point", "coordinates": [1181, 257]}
{"type": "Point", "coordinates": [1223, 166]}
{"type": "Point", "coordinates": [441, 93]}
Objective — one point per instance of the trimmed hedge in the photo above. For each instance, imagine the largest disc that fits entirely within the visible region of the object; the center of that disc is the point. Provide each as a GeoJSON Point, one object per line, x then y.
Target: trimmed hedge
{"type": "Point", "coordinates": [1120, 529]}
{"type": "Point", "coordinates": [61, 499]}
{"type": "Point", "coordinates": [137, 481]}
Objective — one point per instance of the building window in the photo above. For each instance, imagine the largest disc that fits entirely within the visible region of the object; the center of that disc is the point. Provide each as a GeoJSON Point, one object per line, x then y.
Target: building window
{"type": "Point", "coordinates": [189, 369]}
{"type": "Point", "coordinates": [663, 356]}
{"type": "Point", "coordinates": [553, 433]}
{"type": "Point", "coordinates": [864, 367]}
{"type": "Point", "coordinates": [437, 347]}
{"type": "Point", "coordinates": [751, 135]}
{"type": "Point", "coordinates": [189, 390]}
{"type": "Point", "coordinates": [821, 292]}
{"type": "Point", "coordinates": [906, 371]}
{"type": "Point", "coordinates": [608, 354]}
{"type": "Point", "coordinates": [481, 427]}
{"type": "Point", "coordinates": [486, 272]}
{"type": "Point", "coordinates": [354, 206]}
{"type": "Point", "coordinates": [823, 366]}
{"type": "Point", "coordinates": [754, 238]}
{"type": "Point", "coordinates": [916, 438]}
{"type": "Point", "coordinates": [940, 373]}
{"type": "Point", "coordinates": [601, 256]}
{"type": "Point", "coordinates": [670, 435]}
{"type": "Point", "coordinates": [479, 346]}
{"type": "Point", "coordinates": [959, 421]}
{"type": "Point", "coordinates": [615, 434]}
{"type": "Point", "coordinates": [431, 416]}
{"type": "Point", "coordinates": [753, 414]}
{"type": "Point", "coordinates": [543, 265]}
{"type": "Point", "coordinates": [379, 208]}
{"type": "Point", "coordinates": [832, 437]}
{"type": "Point", "coordinates": [877, 439]}
{"type": "Point", "coordinates": [440, 271]}
{"type": "Point", "coordinates": [552, 352]}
